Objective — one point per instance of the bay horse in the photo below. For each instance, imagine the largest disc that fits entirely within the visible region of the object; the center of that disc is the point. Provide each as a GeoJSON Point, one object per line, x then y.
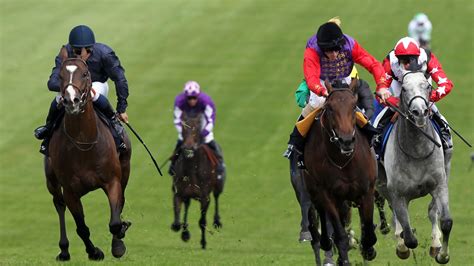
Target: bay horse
{"type": "Point", "coordinates": [82, 158]}
{"type": "Point", "coordinates": [195, 178]}
{"type": "Point", "coordinates": [341, 168]}
{"type": "Point", "coordinates": [413, 167]}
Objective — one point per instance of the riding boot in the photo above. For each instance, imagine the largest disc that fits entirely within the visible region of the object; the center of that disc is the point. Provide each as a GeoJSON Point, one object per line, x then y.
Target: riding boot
{"type": "Point", "coordinates": [174, 157]}
{"type": "Point", "coordinates": [218, 151]}
{"type": "Point", "coordinates": [377, 140]}
{"type": "Point", "coordinates": [369, 131]}
{"type": "Point", "coordinates": [296, 144]}
{"type": "Point", "coordinates": [44, 132]}
{"type": "Point", "coordinates": [104, 106]}
{"type": "Point", "coordinates": [444, 130]}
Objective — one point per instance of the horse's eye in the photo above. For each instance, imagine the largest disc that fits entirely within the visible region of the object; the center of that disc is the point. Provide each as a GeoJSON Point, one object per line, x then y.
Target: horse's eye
{"type": "Point", "coordinates": [85, 75]}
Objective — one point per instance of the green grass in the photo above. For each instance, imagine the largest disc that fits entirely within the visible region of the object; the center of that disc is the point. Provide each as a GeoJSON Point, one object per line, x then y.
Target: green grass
{"type": "Point", "coordinates": [247, 54]}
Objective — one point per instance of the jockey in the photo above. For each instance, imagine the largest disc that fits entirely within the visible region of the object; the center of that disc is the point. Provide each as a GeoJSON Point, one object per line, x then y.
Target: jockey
{"type": "Point", "coordinates": [192, 100]}
{"type": "Point", "coordinates": [365, 98]}
{"type": "Point", "coordinates": [103, 64]}
{"type": "Point", "coordinates": [419, 29]}
{"type": "Point", "coordinates": [407, 55]}
{"type": "Point", "coordinates": [331, 55]}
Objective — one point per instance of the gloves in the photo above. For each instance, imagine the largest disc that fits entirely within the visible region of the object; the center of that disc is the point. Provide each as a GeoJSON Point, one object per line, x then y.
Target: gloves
{"type": "Point", "coordinates": [302, 94]}
{"type": "Point", "coordinates": [383, 94]}
{"type": "Point", "coordinates": [435, 96]}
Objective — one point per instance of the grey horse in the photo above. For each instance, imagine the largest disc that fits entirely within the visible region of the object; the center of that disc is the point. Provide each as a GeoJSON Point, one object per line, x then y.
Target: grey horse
{"type": "Point", "coordinates": [414, 167]}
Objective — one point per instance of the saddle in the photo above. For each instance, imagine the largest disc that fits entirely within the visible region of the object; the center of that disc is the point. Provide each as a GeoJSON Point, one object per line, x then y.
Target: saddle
{"type": "Point", "coordinates": [211, 155]}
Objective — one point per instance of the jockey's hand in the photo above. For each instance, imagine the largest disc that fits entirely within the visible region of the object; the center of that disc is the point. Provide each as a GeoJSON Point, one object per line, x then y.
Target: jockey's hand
{"type": "Point", "coordinates": [383, 94]}
{"type": "Point", "coordinates": [123, 117]}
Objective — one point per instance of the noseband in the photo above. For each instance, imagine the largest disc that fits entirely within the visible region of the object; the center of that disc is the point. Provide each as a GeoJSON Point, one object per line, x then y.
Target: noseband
{"type": "Point", "coordinates": [333, 137]}
{"type": "Point", "coordinates": [83, 97]}
{"type": "Point", "coordinates": [410, 114]}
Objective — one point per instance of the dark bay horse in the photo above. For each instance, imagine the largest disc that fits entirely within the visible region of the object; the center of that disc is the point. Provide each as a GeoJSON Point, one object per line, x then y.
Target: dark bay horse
{"type": "Point", "coordinates": [83, 158]}
{"type": "Point", "coordinates": [195, 178]}
{"type": "Point", "coordinates": [414, 167]}
{"type": "Point", "coordinates": [341, 168]}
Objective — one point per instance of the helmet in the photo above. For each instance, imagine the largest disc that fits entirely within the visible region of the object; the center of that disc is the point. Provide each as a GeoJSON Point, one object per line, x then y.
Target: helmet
{"type": "Point", "coordinates": [407, 46]}
{"type": "Point", "coordinates": [81, 36]}
{"type": "Point", "coordinates": [330, 37]}
{"type": "Point", "coordinates": [192, 88]}
{"type": "Point", "coordinates": [420, 27]}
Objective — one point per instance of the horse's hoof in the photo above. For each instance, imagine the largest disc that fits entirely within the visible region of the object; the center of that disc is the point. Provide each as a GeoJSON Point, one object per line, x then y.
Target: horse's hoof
{"type": "Point", "coordinates": [369, 254]}
{"type": "Point", "coordinates": [434, 251]}
{"type": "Point", "coordinates": [441, 259]}
{"type": "Point", "coordinates": [217, 224]}
{"type": "Point", "coordinates": [384, 229]}
{"type": "Point", "coordinates": [176, 227]}
{"type": "Point", "coordinates": [118, 248]}
{"type": "Point", "coordinates": [185, 236]}
{"type": "Point", "coordinates": [97, 254]}
{"type": "Point", "coordinates": [63, 257]}
{"type": "Point", "coordinates": [305, 236]}
{"type": "Point", "coordinates": [403, 254]}
{"type": "Point", "coordinates": [203, 244]}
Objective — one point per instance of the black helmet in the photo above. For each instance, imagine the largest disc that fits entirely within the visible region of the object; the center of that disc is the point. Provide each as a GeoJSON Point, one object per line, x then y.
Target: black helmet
{"type": "Point", "coordinates": [330, 37]}
{"type": "Point", "coordinates": [81, 36]}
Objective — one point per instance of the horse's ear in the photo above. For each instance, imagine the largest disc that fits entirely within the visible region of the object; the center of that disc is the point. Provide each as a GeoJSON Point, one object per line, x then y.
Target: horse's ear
{"type": "Point", "coordinates": [353, 85]}
{"type": "Point", "coordinates": [328, 85]}
{"type": "Point", "coordinates": [63, 54]}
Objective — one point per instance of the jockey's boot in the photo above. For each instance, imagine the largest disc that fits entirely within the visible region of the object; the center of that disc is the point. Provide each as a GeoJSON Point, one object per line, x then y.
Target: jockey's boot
{"type": "Point", "coordinates": [218, 152]}
{"type": "Point", "coordinates": [444, 129]}
{"type": "Point", "coordinates": [104, 106]}
{"type": "Point", "coordinates": [377, 140]}
{"type": "Point", "coordinates": [174, 157]}
{"type": "Point", "coordinates": [296, 144]}
{"type": "Point", "coordinates": [44, 132]}
{"type": "Point", "coordinates": [367, 129]}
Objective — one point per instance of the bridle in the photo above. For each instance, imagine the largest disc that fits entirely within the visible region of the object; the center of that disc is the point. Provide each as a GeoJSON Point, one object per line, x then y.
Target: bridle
{"type": "Point", "coordinates": [428, 105]}
{"type": "Point", "coordinates": [333, 137]}
{"type": "Point", "coordinates": [88, 84]}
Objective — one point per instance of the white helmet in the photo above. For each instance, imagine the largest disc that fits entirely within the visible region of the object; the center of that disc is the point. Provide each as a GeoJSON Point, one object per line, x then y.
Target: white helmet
{"type": "Point", "coordinates": [420, 28]}
{"type": "Point", "coordinates": [192, 88]}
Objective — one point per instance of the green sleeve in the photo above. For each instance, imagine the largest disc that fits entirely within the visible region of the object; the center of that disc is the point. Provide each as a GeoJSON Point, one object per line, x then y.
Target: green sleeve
{"type": "Point", "coordinates": [302, 94]}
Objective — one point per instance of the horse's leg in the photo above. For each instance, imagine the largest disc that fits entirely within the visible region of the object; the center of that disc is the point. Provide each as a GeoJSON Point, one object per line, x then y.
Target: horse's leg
{"type": "Point", "coordinates": [55, 189]}
{"type": "Point", "coordinates": [185, 235]}
{"type": "Point", "coordinates": [368, 238]}
{"type": "Point", "coordinates": [346, 213]}
{"type": "Point", "coordinates": [304, 200]}
{"type": "Point", "coordinates": [441, 196]}
{"type": "Point", "coordinates": [402, 251]}
{"type": "Point", "coordinates": [217, 219]}
{"type": "Point", "coordinates": [74, 204]}
{"type": "Point", "coordinates": [435, 232]}
{"type": "Point", "coordinates": [340, 237]}
{"type": "Point", "coordinates": [202, 222]}
{"type": "Point", "coordinates": [313, 230]}
{"type": "Point", "coordinates": [400, 207]}
{"type": "Point", "coordinates": [177, 201]}
{"type": "Point", "coordinates": [117, 228]}
{"type": "Point", "coordinates": [380, 202]}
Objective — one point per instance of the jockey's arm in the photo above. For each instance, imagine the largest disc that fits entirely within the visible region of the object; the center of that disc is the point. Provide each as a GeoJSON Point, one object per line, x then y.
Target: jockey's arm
{"type": "Point", "coordinates": [209, 115]}
{"type": "Point", "coordinates": [54, 81]}
{"type": "Point", "coordinates": [363, 58]}
{"type": "Point", "coordinates": [312, 72]}
{"type": "Point", "coordinates": [437, 74]}
{"type": "Point", "coordinates": [116, 73]}
{"type": "Point", "coordinates": [177, 121]}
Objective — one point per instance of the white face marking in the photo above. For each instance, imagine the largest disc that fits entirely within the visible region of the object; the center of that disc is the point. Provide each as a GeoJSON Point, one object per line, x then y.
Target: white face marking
{"type": "Point", "coordinates": [71, 92]}
{"type": "Point", "coordinates": [71, 70]}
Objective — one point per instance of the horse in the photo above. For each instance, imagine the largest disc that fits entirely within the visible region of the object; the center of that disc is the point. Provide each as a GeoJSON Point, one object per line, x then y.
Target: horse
{"type": "Point", "coordinates": [341, 168]}
{"type": "Point", "coordinates": [195, 178]}
{"type": "Point", "coordinates": [413, 167]}
{"type": "Point", "coordinates": [82, 158]}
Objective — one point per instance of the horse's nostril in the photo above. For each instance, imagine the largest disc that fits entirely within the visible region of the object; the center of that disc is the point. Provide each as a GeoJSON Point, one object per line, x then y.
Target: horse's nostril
{"type": "Point", "coordinates": [416, 113]}
{"type": "Point", "coordinates": [425, 113]}
{"type": "Point", "coordinates": [76, 100]}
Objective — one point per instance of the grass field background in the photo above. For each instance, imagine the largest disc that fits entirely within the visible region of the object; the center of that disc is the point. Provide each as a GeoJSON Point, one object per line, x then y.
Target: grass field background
{"type": "Point", "coordinates": [247, 55]}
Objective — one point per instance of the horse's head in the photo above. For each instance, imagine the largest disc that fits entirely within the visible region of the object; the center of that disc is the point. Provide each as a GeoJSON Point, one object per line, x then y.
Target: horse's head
{"type": "Point", "coordinates": [191, 134]}
{"type": "Point", "coordinates": [339, 116]}
{"type": "Point", "coordinates": [76, 83]}
{"type": "Point", "coordinates": [414, 97]}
